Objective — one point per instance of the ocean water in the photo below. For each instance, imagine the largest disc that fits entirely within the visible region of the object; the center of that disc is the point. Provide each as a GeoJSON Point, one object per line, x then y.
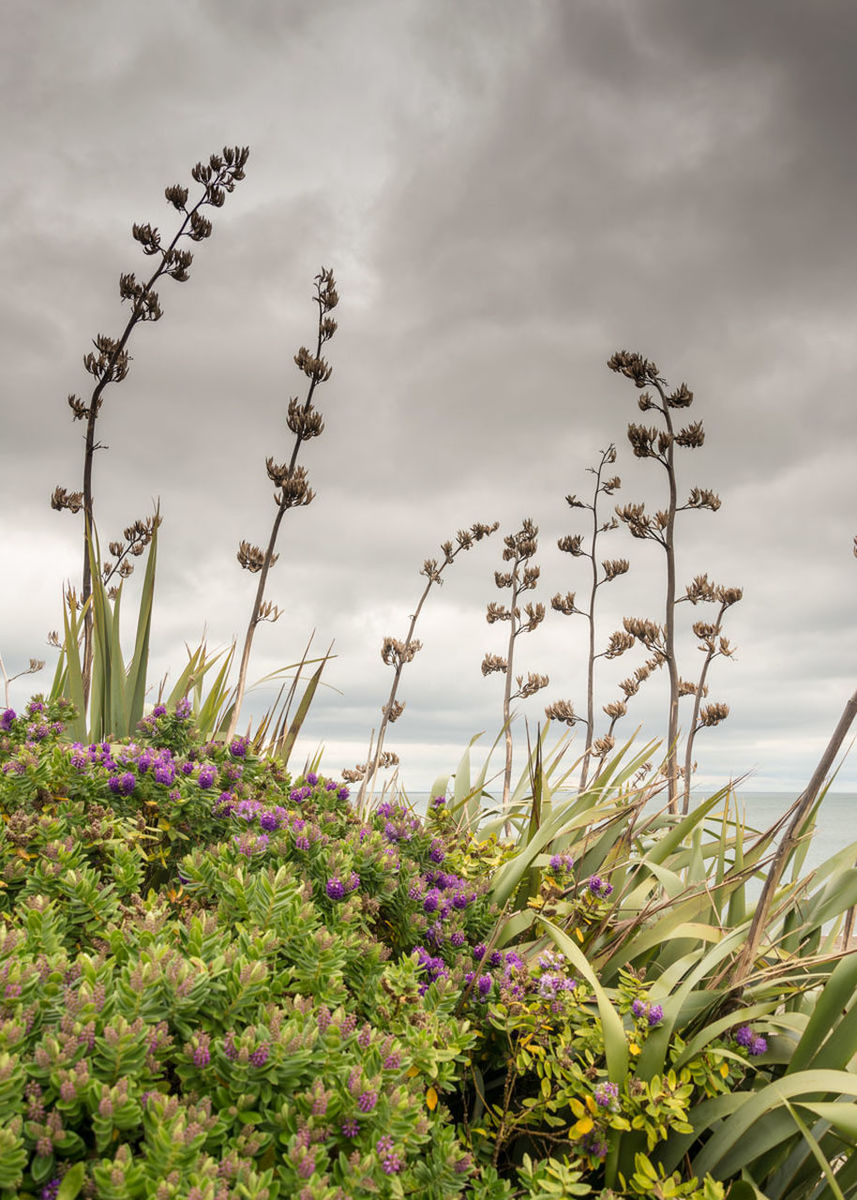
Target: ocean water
{"type": "Point", "coordinates": [836, 822]}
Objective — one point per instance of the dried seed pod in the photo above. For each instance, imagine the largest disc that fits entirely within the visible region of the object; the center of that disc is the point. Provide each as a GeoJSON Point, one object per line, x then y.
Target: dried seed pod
{"type": "Point", "coordinates": [61, 499]}
{"type": "Point", "coordinates": [562, 710]}
{"type": "Point", "coordinates": [614, 567]}
{"type": "Point", "coordinates": [564, 604]}
{"type": "Point", "coordinates": [496, 612]}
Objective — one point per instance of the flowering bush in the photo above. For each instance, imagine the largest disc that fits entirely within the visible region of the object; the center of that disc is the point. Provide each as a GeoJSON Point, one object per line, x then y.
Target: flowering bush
{"type": "Point", "coordinates": [217, 980]}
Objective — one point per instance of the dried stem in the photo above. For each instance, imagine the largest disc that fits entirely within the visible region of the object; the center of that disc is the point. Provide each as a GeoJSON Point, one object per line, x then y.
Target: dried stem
{"type": "Point", "coordinates": [713, 645]}
{"type": "Point", "coordinates": [563, 710]}
{"type": "Point", "coordinates": [110, 363]}
{"type": "Point", "coordinates": [290, 480]}
{"type": "Point", "coordinates": [520, 548]}
{"type": "Point", "coordinates": [649, 442]}
{"type": "Point", "coordinates": [396, 653]}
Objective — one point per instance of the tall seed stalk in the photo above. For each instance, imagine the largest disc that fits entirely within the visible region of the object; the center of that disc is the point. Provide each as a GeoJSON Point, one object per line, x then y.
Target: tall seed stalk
{"type": "Point", "coordinates": [659, 444]}
{"type": "Point", "coordinates": [111, 361]}
{"type": "Point", "coordinates": [521, 577]}
{"type": "Point", "coordinates": [563, 710]}
{"type": "Point", "coordinates": [713, 645]}
{"type": "Point", "coordinates": [293, 490]}
{"type": "Point", "coordinates": [396, 653]}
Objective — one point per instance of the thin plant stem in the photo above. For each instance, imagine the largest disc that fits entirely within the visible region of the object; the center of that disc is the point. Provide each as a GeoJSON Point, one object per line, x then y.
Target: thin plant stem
{"type": "Point", "coordinates": [791, 837]}
{"type": "Point", "coordinates": [290, 479]}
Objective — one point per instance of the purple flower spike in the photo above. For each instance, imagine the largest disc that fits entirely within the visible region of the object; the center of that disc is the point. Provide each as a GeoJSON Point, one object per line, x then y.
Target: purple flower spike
{"type": "Point", "coordinates": [606, 1094]}
{"type": "Point", "coordinates": [744, 1035]}
{"type": "Point", "coordinates": [335, 888]}
{"type": "Point", "coordinates": [311, 778]}
{"type": "Point", "coordinates": [639, 1008]}
{"type": "Point", "coordinates": [350, 1128]}
{"type": "Point", "coordinates": [159, 710]}
{"type": "Point", "coordinates": [758, 1045]}
{"type": "Point", "coordinates": [259, 1057]}
{"type": "Point", "coordinates": [656, 1015]}
{"type": "Point", "coordinates": [207, 775]}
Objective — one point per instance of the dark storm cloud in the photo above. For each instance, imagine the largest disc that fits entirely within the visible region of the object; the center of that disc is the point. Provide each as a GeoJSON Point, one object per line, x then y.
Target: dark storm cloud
{"type": "Point", "coordinates": [507, 192]}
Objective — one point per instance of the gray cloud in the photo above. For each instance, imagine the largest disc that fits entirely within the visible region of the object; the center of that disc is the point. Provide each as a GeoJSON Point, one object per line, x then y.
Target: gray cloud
{"type": "Point", "coordinates": [507, 193]}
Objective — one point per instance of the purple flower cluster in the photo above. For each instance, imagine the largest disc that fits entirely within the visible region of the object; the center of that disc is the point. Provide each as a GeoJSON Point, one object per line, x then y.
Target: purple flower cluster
{"type": "Point", "coordinates": [561, 864]}
{"type": "Point", "coordinates": [599, 887]}
{"type": "Point", "coordinates": [606, 1095]}
{"type": "Point", "coordinates": [752, 1042]}
{"type": "Point", "coordinates": [250, 844]}
{"type": "Point", "coordinates": [594, 1145]}
{"type": "Point", "coordinates": [122, 784]}
{"type": "Point", "coordinates": [207, 775]}
{"type": "Point", "coordinates": [653, 1013]}
{"type": "Point", "coordinates": [260, 1056]}
{"type": "Point", "coordinates": [337, 890]}
{"type": "Point", "coordinates": [434, 968]}
{"type": "Point", "coordinates": [391, 1163]}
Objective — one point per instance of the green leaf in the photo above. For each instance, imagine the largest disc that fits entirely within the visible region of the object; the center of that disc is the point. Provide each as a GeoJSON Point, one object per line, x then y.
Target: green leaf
{"type": "Point", "coordinates": [817, 1154]}
{"type": "Point", "coordinates": [74, 669]}
{"type": "Point", "coordinates": [734, 1142]}
{"type": "Point", "coordinates": [72, 1182]}
{"type": "Point", "coordinates": [835, 997]}
{"type": "Point", "coordinates": [842, 1115]}
{"type": "Point", "coordinates": [135, 692]}
{"type": "Point", "coordinates": [615, 1045]}
{"type": "Point", "coordinates": [282, 748]}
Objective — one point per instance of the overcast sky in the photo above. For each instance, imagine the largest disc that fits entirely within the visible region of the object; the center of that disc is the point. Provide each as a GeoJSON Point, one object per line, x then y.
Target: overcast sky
{"type": "Point", "coordinates": [507, 191]}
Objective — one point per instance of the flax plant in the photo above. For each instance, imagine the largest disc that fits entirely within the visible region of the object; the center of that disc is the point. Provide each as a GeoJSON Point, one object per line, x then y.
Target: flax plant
{"type": "Point", "coordinates": [521, 577]}
{"type": "Point", "coordinates": [659, 444]}
{"type": "Point", "coordinates": [110, 361]}
{"type": "Point", "coordinates": [611, 569]}
{"type": "Point", "coordinates": [290, 480]}
{"type": "Point", "coordinates": [396, 653]}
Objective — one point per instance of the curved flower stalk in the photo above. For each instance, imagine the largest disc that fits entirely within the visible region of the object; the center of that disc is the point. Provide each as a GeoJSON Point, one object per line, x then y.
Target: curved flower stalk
{"type": "Point", "coordinates": [521, 577]}
{"type": "Point", "coordinates": [396, 654]}
{"type": "Point", "coordinates": [110, 361]}
{"type": "Point", "coordinates": [659, 527]}
{"type": "Point", "coordinates": [611, 569]}
{"type": "Point", "coordinates": [36, 665]}
{"type": "Point", "coordinates": [713, 645]}
{"type": "Point", "coordinates": [290, 480]}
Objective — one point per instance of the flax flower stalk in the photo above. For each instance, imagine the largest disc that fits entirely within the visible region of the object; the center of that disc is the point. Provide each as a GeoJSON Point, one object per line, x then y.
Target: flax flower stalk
{"type": "Point", "coordinates": [293, 490]}
{"type": "Point", "coordinates": [110, 362]}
